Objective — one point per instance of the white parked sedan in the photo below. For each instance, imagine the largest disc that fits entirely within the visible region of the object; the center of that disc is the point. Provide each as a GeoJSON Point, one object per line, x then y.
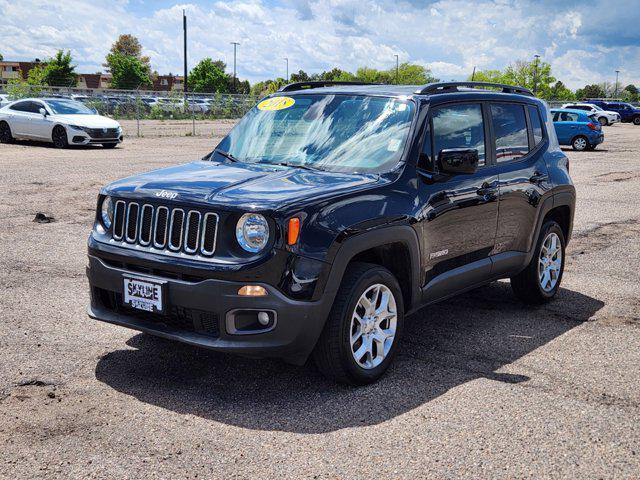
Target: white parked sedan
{"type": "Point", "coordinates": [605, 117]}
{"type": "Point", "coordinates": [61, 121]}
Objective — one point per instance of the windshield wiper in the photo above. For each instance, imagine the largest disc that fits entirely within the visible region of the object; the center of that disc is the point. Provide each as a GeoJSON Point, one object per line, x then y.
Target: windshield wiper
{"type": "Point", "coordinates": [297, 165]}
{"type": "Point", "coordinates": [226, 155]}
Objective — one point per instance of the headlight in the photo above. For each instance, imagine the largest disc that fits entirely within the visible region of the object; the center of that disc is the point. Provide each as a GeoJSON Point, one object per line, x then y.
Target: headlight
{"type": "Point", "coordinates": [252, 232]}
{"type": "Point", "coordinates": [76, 127]}
{"type": "Point", "coordinates": [106, 212]}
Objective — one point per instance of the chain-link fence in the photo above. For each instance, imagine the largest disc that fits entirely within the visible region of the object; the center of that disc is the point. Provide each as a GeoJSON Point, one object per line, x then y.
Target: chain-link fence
{"type": "Point", "coordinates": [148, 113]}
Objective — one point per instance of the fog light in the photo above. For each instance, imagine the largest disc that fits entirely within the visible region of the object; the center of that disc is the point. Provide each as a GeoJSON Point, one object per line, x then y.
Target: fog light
{"type": "Point", "coordinates": [263, 318]}
{"type": "Point", "coordinates": [252, 291]}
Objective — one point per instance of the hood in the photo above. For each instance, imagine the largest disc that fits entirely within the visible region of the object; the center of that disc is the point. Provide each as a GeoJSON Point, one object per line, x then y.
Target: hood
{"type": "Point", "coordinates": [91, 121]}
{"type": "Point", "coordinates": [237, 185]}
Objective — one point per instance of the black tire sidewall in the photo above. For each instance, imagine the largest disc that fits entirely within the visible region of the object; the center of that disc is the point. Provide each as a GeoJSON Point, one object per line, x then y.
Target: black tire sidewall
{"type": "Point", "coordinates": [3, 126]}
{"type": "Point", "coordinates": [369, 278]}
{"type": "Point", "coordinates": [65, 143]}
{"type": "Point", "coordinates": [636, 121]}
{"type": "Point", "coordinates": [548, 228]}
{"type": "Point", "coordinates": [605, 123]}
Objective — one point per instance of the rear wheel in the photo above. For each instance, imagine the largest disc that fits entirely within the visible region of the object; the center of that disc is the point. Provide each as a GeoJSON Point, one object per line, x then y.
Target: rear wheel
{"type": "Point", "coordinates": [364, 328]}
{"type": "Point", "coordinates": [5, 133]}
{"type": "Point", "coordinates": [540, 281]}
{"type": "Point", "coordinates": [603, 121]}
{"type": "Point", "coordinates": [580, 143]}
{"type": "Point", "coordinates": [59, 137]}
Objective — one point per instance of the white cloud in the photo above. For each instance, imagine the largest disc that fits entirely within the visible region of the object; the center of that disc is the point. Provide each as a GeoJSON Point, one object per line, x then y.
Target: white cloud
{"type": "Point", "coordinates": [450, 36]}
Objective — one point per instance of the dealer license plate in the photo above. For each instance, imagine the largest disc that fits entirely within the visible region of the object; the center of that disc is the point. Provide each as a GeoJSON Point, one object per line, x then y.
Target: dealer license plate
{"type": "Point", "coordinates": [143, 294]}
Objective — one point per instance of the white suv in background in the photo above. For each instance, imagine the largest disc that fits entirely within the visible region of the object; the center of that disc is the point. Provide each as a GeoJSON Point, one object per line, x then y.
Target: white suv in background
{"type": "Point", "coordinates": [605, 117]}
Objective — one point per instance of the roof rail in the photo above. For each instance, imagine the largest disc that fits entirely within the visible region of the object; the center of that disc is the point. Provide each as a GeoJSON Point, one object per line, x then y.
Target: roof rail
{"type": "Point", "coordinates": [319, 84]}
{"type": "Point", "coordinates": [447, 87]}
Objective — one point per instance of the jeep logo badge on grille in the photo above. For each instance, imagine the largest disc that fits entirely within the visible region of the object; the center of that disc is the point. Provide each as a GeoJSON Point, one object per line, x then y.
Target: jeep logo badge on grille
{"type": "Point", "coordinates": [166, 194]}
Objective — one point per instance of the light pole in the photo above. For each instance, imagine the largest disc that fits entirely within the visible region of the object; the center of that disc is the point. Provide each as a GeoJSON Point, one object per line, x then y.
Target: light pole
{"type": "Point", "coordinates": [184, 28]}
{"type": "Point", "coordinates": [615, 95]}
{"type": "Point", "coordinates": [235, 45]}
{"type": "Point", "coordinates": [473, 75]}
{"type": "Point", "coordinates": [397, 69]}
{"type": "Point", "coordinates": [286, 59]}
{"type": "Point", "coordinates": [535, 74]}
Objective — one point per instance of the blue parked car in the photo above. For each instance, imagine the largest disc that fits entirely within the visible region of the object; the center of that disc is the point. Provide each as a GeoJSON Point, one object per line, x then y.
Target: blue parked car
{"type": "Point", "coordinates": [628, 113]}
{"type": "Point", "coordinates": [577, 128]}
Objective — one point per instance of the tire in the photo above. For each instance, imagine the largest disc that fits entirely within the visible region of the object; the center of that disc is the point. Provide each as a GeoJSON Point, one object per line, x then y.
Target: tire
{"type": "Point", "coordinates": [334, 353]}
{"type": "Point", "coordinates": [109, 145]}
{"type": "Point", "coordinates": [580, 143]}
{"type": "Point", "coordinates": [59, 137]}
{"type": "Point", "coordinates": [636, 120]}
{"type": "Point", "coordinates": [530, 285]}
{"type": "Point", "coordinates": [5, 133]}
{"type": "Point", "coordinates": [603, 121]}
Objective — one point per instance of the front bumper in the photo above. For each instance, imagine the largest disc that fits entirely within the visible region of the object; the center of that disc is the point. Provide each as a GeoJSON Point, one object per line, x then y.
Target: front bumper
{"type": "Point", "coordinates": [80, 137]}
{"type": "Point", "coordinates": [197, 313]}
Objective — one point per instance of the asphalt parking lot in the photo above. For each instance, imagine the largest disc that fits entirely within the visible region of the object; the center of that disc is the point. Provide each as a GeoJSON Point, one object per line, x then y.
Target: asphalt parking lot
{"type": "Point", "coordinates": [484, 387]}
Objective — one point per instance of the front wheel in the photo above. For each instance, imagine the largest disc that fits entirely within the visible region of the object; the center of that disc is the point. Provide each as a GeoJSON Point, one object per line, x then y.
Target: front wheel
{"type": "Point", "coordinates": [540, 281]}
{"type": "Point", "coordinates": [59, 137]}
{"type": "Point", "coordinates": [580, 143]}
{"type": "Point", "coordinates": [636, 120]}
{"type": "Point", "coordinates": [364, 328]}
{"type": "Point", "coordinates": [5, 133]}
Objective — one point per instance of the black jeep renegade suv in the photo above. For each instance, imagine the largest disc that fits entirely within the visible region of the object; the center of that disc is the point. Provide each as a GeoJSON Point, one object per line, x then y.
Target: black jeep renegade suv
{"type": "Point", "coordinates": [329, 213]}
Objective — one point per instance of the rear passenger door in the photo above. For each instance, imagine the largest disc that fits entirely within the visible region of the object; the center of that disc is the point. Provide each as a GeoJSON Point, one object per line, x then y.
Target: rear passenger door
{"type": "Point", "coordinates": [519, 139]}
{"type": "Point", "coordinates": [459, 211]}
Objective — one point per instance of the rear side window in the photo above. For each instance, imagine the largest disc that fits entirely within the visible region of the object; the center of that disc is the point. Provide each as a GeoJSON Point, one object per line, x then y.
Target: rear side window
{"type": "Point", "coordinates": [20, 106]}
{"type": "Point", "coordinates": [459, 126]}
{"type": "Point", "coordinates": [510, 129]}
{"type": "Point", "coordinates": [569, 117]}
{"type": "Point", "coordinates": [536, 124]}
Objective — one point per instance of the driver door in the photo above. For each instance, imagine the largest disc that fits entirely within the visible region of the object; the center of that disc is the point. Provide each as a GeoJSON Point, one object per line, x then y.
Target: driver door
{"type": "Point", "coordinates": [459, 212]}
{"type": "Point", "coordinates": [40, 125]}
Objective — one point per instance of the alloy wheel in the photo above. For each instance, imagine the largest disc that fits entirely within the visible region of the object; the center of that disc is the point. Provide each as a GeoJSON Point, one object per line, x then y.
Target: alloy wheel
{"type": "Point", "coordinates": [59, 137]}
{"type": "Point", "coordinates": [603, 121]}
{"type": "Point", "coordinates": [550, 262]}
{"type": "Point", "coordinates": [580, 143]}
{"type": "Point", "coordinates": [373, 326]}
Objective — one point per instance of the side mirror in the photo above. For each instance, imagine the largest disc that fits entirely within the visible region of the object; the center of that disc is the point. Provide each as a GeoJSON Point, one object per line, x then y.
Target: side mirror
{"type": "Point", "coordinates": [458, 160]}
{"type": "Point", "coordinates": [43, 112]}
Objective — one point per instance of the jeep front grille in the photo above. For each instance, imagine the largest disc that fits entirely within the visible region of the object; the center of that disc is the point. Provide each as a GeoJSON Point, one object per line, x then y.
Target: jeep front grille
{"type": "Point", "coordinates": [171, 230]}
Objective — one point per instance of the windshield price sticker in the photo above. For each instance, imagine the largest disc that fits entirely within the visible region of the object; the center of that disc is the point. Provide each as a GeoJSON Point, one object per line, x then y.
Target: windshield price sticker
{"type": "Point", "coordinates": [276, 103]}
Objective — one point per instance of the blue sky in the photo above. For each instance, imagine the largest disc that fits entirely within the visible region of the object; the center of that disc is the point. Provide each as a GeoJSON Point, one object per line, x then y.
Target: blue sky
{"type": "Point", "coordinates": [585, 41]}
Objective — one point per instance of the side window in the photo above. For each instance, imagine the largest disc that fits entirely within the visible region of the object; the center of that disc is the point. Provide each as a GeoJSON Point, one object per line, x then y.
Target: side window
{"type": "Point", "coordinates": [510, 128]}
{"type": "Point", "coordinates": [568, 117]}
{"type": "Point", "coordinates": [556, 116]}
{"type": "Point", "coordinates": [34, 107]}
{"type": "Point", "coordinates": [20, 106]}
{"type": "Point", "coordinates": [459, 126]}
{"type": "Point", "coordinates": [536, 124]}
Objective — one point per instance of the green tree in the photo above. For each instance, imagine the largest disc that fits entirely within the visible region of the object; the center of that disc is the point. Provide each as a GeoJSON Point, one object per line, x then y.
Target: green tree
{"type": "Point", "coordinates": [491, 76]}
{"type": "Point", "coordinates": [36, 75]}
{"type": "Point", "coordinates": [590, 91]}
{"type": "Point", "coordinates": [631, 94]}
{"type": "Point", "coordinates": [127, 72]}
{"type": "Point", "coordinates": [208, 77]}
{"type": "Point", "coordinates": [1, 57]}
{"type": "Point", "coordinates": [130, 46]}
{"type": "Point", "coordinates": [301, 76]}
{"type": "Point", "coordinates": [58, 71]}
{"type": "Point", "coordinates": [560, 92]}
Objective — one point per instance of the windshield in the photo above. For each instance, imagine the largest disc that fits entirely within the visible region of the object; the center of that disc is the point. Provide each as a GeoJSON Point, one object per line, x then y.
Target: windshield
{"type": "Point", "coordinates": [596, 107]}
{"type": "Point", "coordinates": [69, 107]}
{"type": "Point", "coordinates": [346, 133]}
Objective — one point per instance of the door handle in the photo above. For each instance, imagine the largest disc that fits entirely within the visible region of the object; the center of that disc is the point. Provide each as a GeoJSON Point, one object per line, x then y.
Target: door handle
{"type": "Point", "coordinates": [538, 177]}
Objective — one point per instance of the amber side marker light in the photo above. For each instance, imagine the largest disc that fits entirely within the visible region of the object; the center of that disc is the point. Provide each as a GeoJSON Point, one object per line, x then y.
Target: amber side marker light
{"type": "Point", "coordinates": [252, 291]}
{"type": "Point", "coordinates": [294, 231]}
